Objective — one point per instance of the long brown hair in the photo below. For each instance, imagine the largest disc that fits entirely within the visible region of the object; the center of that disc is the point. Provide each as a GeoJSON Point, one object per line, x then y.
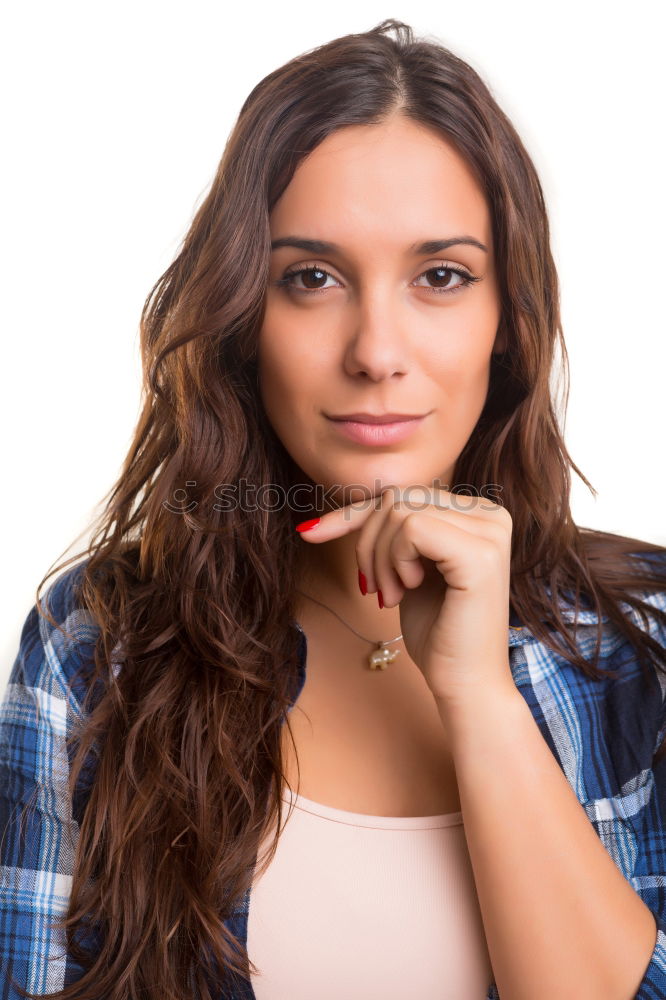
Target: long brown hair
{"type": "Point", "coordinates": [194, 600]}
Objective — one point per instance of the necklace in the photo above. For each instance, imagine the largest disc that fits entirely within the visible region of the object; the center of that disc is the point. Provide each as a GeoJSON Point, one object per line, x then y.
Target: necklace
{"type": "Point", "coordinates": [380, 657]}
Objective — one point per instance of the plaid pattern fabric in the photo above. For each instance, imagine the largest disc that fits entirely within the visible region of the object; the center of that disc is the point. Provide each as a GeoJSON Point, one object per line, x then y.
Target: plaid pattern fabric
{"type": "Point", "coordinates": [602, 732]}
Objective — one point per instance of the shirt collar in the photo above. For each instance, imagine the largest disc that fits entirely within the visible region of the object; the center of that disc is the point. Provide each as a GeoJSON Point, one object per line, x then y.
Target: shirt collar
{"type": "Point", "coordinates": [519, 634]}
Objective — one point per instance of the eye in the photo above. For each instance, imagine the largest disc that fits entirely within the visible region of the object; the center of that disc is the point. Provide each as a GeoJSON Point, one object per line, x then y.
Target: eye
{"type": "Point", "coordinates": [313, 279]}
{"type": "Point", "coordinates": [445, 276]}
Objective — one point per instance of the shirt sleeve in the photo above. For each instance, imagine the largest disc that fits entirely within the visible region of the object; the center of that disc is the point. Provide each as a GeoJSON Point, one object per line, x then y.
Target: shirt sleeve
{"type": "Point", "coordinates": [649, 878]}
{"type": "Point", "coordinates": [38, 833]}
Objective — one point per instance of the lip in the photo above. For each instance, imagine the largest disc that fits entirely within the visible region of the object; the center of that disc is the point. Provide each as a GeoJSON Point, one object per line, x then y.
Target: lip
{"type": "Point", "coordinates": [376, 418]}
{"type": "Point", "coordinates": [372, 433]}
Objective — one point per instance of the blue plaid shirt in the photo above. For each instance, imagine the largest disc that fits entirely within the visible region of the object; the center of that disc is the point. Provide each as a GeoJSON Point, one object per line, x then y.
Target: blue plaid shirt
{"type": "Point", "coordinates": [602, 732]}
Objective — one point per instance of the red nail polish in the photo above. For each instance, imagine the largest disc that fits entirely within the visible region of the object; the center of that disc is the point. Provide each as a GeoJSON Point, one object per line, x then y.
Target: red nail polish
{"type": "Point", "coordinates": [380, 599]}
{"type": "Point", "coordinates": [362, 583]}
{"type": "Point", "coordinates": [306, 525]}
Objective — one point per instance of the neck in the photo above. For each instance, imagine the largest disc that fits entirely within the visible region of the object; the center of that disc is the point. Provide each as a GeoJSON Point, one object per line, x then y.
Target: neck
{"type": "Point", "coordinates": [329, 573]}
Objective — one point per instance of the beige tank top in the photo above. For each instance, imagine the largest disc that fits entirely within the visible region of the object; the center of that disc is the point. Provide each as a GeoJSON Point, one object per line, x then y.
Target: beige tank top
{"type": "Point", "coordinates": [360, 906]}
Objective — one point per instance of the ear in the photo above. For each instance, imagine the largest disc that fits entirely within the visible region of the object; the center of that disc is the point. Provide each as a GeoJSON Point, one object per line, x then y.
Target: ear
{"type": "Point", "coordinates": [501, 339]}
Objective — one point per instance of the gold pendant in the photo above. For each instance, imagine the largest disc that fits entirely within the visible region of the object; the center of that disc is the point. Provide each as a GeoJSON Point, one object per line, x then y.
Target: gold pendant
{"type": "Point", "coordinates": [381, 657]}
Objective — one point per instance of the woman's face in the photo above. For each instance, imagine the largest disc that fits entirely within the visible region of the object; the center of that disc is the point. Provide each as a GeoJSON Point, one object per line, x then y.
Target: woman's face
{"type": "Point", "coordinates": [378, 322]}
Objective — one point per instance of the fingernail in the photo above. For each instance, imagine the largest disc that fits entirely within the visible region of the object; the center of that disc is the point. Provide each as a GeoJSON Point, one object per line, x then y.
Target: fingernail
{"type": "Point", "coordinates": [306, 525]}
{"type": "Point", "coordinates": [380, 599]}
{"type": "Point", "coordinates": [362, 583]}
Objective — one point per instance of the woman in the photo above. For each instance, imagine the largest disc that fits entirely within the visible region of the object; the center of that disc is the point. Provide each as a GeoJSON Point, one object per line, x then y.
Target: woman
{"type": "Point", "coordinates": [473, 755]}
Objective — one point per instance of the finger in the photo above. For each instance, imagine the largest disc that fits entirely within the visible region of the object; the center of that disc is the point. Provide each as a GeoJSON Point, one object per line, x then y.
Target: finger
{"type": "Point", "coordinates": [352, 516]}
{"type": "Point", "coordinates": [394, 576]}
{"type": "Point", "coordinates": [367, 539]}
{"type": "Point", "coordinates": [467, 560]}
{"type": "Point", "coordinates": [343, 521]}
{"type": "Point", "coordinates": [417, 498]}
{"type": "Point", "coordinates": [495, 524]}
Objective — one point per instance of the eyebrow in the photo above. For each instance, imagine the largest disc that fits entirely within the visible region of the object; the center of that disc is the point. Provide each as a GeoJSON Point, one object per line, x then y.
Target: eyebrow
{"type": "Point", "coordinates": [428, 247]}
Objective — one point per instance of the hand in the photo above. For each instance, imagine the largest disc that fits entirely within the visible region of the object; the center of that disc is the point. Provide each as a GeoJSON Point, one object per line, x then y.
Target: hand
{"type": "Point", "coordinates": [449, 570]}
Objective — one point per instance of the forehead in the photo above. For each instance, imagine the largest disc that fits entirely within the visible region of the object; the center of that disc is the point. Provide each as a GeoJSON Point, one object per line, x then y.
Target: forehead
{"type": "Point", "coordinates": [392, 181]}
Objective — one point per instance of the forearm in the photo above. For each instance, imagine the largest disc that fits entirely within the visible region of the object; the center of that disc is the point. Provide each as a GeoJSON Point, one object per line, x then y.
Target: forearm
{"type": "Point", "coordinates": [560, 918]}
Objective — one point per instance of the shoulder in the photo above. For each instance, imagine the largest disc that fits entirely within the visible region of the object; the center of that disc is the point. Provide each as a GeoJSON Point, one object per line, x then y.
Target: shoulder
{"type": "Point", "coordinates": [51, 652]}
{"type": "Point", "coordinates": [39, 817]}
{"type": "Point", "coordinates": [584, 622]}
{"type": "Point", "coordinates": [605, 725]}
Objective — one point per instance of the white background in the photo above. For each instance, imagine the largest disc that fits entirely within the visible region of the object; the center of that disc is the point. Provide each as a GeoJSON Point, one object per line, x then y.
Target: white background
{"type": "Point", "coordinates": [114, 120]}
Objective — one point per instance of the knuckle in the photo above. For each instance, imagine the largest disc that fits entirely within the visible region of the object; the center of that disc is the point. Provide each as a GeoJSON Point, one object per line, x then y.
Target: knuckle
{"type": "Point", "coordinates": [498, 532]}
{"type": "Point", "coordinates": [503, 513]}
{"type": "Point", "coordinates": [410, 522]}
{"type": "Point", "coordinates": [490, 555]}
{"type": "Point", "coordinates": [392, 491]}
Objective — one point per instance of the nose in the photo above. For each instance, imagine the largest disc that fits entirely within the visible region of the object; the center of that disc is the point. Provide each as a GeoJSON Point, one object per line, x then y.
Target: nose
{"type": "Point", "coordinates": [377, 345]}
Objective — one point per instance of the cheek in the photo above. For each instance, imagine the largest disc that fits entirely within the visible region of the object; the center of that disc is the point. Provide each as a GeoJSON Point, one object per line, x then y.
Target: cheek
{"type": "Point", "coordinates": [463, 390]}
{"type": "Point", "coordinates": [276, 359]}
{"type": "Point", "coordinates": [291, 356]}
{"type": "Point", "coordinates": [288, 379]}
{"type": "Point", "coordinates": [459, 361]}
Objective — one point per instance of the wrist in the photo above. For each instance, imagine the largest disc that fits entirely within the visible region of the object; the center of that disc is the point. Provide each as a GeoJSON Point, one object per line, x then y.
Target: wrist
{"type": "Point", "coordinates": [486, 710]}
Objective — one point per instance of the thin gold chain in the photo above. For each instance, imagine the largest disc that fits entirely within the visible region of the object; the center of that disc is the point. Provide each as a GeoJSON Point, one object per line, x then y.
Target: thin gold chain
{"type": "Point", "coordinates": [374, 642]}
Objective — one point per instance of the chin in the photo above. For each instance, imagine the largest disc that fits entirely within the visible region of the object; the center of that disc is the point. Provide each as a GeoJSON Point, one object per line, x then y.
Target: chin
{"type": "Point", "coordinates": [365, 486]}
